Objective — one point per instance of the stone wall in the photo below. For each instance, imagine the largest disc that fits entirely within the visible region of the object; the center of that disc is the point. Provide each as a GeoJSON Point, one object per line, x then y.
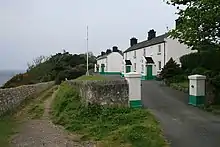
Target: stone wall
{"type": "Point", "coordinates": [11, 98]}
{"type": "Point", "coordinates": [103, 92]}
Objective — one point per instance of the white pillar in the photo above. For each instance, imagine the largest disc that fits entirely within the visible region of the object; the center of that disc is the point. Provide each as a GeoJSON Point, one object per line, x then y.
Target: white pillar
{"type": "Point", "coordinates": [134, 82]}
{"type": "Point", "coordinates": [95, 69]}
{"type": "Point", "coordinates": [197, 90]}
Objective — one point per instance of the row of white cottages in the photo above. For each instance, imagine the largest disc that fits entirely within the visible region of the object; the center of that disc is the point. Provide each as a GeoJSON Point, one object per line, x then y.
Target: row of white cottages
{"type": "Point", "coordinates": [147, 57]}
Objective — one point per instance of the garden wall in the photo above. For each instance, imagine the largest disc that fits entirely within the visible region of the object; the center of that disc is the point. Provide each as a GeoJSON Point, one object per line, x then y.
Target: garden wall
{"type": "Point", "coordinates": [11, 98]}
{"type": "Point", "coordinates": [111, 93]}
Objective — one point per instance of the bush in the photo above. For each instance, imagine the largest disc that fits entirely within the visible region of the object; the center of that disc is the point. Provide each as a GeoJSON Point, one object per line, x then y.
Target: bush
{"type": "Point", "coordinates": [170, 70]}
{"type": "Point", "coordinates": [199, 70]}
{"type": "Point", "coordinates": [208, 60]}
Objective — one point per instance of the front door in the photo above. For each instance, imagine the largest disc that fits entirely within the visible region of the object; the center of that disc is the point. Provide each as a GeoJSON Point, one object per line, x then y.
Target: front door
{"type": "Point", "coordinates": [149, 72]}
{"type": "Point", "coordinates": [102, 68]}
{"type": "Point", "coordinates": [128, 69]}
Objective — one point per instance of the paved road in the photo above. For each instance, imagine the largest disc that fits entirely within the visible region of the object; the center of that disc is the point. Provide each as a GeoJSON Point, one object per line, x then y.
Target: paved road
{"type": "Point", "coordinates": [183, 125]}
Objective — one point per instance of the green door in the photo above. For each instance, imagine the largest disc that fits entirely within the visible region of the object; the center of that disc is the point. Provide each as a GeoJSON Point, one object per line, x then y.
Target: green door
{"type": "Point", "coordinates": [128, 69]}
{"type": "Point", "coordinates": [149, 72]}
{"type": "Point", "coordinates": [102, 68]}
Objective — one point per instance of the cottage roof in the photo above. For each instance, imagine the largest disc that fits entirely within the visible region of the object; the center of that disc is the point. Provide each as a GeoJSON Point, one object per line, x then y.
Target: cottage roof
{"type": "Point", "coordinates": [106, 55]}
{"type": "Point", "coordinates": [146, 43]}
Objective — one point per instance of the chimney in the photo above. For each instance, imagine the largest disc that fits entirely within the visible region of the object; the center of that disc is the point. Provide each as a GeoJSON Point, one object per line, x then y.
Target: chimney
{"type": "Point", "coordinates": [178, 21]}
{"type": "Point", "coordinates": [115, 49]}
{"type": "Point", "coordinates": [102, 53]}
{"type": "Point", "coordinates": [151, 34]}
{"type": "Point", "coordinates": [133, 41]}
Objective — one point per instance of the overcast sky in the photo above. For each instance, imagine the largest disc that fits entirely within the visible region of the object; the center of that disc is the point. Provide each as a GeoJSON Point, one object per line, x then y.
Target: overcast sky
{"type": "Point", "coordinates": [30, 28]}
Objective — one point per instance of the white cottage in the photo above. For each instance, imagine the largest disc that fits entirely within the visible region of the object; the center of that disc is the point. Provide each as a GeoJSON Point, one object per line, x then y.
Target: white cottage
{"type": "Point", "coordinates": [149, 57]}
{"type": "Point", "coordinates": [111, 63]}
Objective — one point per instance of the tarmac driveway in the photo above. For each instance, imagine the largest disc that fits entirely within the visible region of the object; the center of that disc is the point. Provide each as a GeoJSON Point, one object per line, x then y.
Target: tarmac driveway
{"type": "Point", "coordinates": [183, 125]}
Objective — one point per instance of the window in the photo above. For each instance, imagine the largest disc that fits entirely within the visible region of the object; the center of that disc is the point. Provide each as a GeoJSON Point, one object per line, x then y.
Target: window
{"type": "Point", "coordinates": [135, 54]}
{"type": "Point", "coordinates": [159, 48]}
{"type": "Point", "coordinates": [159, 65]}
{"type": "Point", "coordinates": [135, 66]}
{"type": "Point", "coordinates": [144, 54]}
{"type": "Point", "coordinates": [142, 68]}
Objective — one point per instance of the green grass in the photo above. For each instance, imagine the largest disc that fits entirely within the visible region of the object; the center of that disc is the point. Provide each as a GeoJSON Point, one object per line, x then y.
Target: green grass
{"type": "Point", "coordinates": [7, 129]}
{"type": "Point", "coordinates": [95, 77]}
{"type": "Point", "coordinates": [110, 126]}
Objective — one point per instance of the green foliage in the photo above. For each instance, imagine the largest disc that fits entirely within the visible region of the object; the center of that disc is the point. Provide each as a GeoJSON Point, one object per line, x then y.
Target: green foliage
{"type": "Point", "coordinates": [170, 70]}
{"type": "Point", "coordinates": [208, 60]}
{"type": "Point", "coordinates": [111, 125]}
{"type": "Point", "coordinates": [7, 127]}
{"type": "Point", "coordinates": [57, 67]}
{"type": "Point", "coordinates": [198, 23]}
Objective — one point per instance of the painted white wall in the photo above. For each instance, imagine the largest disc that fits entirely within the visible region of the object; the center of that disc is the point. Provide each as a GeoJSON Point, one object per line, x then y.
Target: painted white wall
{"type": "Point", "coordinates": [100, 62]}
{"type": "Point", "coordinates": [114, 62]}
{"type": "Point", "coordinates": [175, 49]}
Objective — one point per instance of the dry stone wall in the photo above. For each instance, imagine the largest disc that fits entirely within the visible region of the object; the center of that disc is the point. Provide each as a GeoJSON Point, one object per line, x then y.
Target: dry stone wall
{"type": "Point", "coordinates": [11, 98]}
{"type": "Point", "coordinates": [103, 92]}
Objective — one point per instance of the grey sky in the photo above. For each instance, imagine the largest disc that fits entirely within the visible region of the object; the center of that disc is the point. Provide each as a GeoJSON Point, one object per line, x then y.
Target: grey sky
{"type": "Point", "coordinates": [30, 28]}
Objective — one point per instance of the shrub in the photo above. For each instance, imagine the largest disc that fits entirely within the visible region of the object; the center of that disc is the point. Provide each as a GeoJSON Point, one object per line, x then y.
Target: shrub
{"type": "Point", "coordinates": [170, 70]}
{"type": "Point", "coordinates": [209, 60]}
{"type": "Point", "coordinates": [199, 70]}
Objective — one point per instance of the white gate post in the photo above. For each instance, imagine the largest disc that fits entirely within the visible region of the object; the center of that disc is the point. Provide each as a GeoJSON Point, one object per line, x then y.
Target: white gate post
{"type": "Point", "coordinates": [197, 90]}
{"type": "Point", "coordinates": [95, 69]}
{"type": "Point", "coordinates": [134, 82]}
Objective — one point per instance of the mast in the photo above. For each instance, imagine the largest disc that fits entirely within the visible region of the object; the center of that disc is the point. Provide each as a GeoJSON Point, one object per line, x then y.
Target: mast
{"type": "Point", "coordinates": [87, 52]}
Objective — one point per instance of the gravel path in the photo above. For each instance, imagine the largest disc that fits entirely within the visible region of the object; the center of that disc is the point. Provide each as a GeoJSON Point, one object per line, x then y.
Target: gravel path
{"type": "Point", "coordinates": [184, 125]}
{"type": "Point", "coordinates": [43, 133]}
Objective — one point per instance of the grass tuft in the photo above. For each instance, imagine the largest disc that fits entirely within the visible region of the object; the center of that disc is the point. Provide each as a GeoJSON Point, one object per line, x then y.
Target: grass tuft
{"type": "Point", "coordinates": [111, 126]}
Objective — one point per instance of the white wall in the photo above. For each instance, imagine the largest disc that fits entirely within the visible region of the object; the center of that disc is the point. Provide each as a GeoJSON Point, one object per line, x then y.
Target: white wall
{"type": "Point", "coordinates": [176, 50]}
{"type": "Point", "coordinates": [102, 61]}
{"type": "Point", "coordinates": [114, 62]}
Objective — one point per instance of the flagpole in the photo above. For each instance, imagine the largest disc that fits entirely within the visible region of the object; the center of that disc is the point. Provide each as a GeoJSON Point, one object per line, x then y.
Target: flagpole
{"type": "Point", "coordinates": [87, 52]}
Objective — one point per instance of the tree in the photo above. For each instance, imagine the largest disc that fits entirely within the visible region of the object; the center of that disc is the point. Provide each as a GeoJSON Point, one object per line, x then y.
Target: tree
{"type": "Point", "coordinates": [170, 70]}
{"type": "Point", "coordinates": [198, 25]}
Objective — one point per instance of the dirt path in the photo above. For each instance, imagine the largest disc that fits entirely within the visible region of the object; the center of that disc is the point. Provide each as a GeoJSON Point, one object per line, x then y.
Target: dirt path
{"type": "Point", "coordinates": [184, 125]}
{"type": "Point", "coordinates": [43, 133]}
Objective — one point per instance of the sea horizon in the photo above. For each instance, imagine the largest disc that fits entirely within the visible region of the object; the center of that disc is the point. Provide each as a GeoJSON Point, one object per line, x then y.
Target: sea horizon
{"type": "Point", "coordinates": [6, 75]}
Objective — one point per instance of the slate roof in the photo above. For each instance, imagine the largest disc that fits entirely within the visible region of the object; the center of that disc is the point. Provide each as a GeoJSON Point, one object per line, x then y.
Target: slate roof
{"type": "Point", "coordinates": [102, 57]}
{"type": "Point", "coordinates": [149, 60]}
{"type": "Point", "coordinates": [106, 55]}
{"type": "Point", "coordinates": [128, 62]}
{"type": "Point", "coordinates": [146, 43]}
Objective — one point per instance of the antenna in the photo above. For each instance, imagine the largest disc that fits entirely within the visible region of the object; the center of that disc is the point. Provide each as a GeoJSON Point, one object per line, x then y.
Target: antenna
{"type": "Point", "coordinates": [87, 52]}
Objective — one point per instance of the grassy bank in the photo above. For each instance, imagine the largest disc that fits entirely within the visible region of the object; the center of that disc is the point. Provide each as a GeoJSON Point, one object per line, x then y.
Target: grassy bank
{"type": "Point", "coordinates": [108, 126]}
{"type": "Point", "coordinates": [8, 127]}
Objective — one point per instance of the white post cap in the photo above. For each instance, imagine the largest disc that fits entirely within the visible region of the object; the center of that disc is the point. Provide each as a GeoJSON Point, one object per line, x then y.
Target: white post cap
{"type": "Point", "coordinates": [132, 75]}
{"type": "Point", "coordinates": [197, 77]}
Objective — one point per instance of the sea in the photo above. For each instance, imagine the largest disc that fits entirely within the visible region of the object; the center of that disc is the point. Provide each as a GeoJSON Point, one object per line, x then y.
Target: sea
{"type": "Point", "coordinates": [6, 75]}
